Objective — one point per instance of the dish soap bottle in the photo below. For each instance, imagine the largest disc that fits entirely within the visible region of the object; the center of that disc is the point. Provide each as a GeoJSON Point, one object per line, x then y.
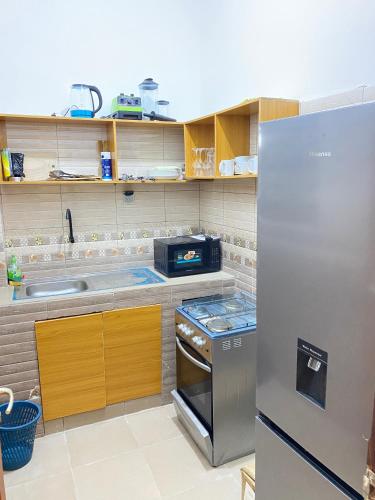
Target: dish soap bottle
{"type": "Point", "coordinates": [14, 272]}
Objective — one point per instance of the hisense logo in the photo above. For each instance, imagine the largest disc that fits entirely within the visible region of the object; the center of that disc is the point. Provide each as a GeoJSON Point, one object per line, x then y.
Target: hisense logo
{"type": "Point", "coordinates": [320, 154]}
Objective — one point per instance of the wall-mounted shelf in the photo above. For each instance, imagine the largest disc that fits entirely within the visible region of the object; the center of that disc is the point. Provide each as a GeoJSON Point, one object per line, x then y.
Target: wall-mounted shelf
{"type": "Point", "coordinates": [233, 131]}
{"type": "Point", "coordinates": [72, 143]}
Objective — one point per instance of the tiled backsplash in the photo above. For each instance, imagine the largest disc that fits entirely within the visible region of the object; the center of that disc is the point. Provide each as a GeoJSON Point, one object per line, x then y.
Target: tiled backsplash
{"type": "Point", "coordinates": [228, 209]}
{"type": "Point", "coordinates": [109, 230]}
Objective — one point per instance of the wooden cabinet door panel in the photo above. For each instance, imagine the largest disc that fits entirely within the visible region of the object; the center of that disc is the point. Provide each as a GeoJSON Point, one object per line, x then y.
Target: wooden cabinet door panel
{"type": "Point", "coordinates": [132, 352]}
{"type": "Point", "coordinates": [71, 365]}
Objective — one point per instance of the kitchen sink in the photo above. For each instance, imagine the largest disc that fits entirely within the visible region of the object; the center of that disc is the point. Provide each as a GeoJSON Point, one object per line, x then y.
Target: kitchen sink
{"type": "Point", "coordinates": [87, 283]}
{"type": "Point", "coordinates": [52, 288]}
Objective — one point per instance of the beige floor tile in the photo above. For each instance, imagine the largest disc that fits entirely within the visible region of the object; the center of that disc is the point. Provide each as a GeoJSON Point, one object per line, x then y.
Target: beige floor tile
{"type": "Point", "coordinates": [234, 467]}
{"type": "Point", "coordinates": [99, 441]}
{"type": "Point", "coordinates": [170, 409]}
{"type": "Point", "coordinates": [225, 488]}
{"type": "Point", "coordinates": [57, 487]}
{"type": "Point", "coordinates": [152, 426]}
{"type": "Point", "coordinates": [124, 477]}
{"type": "Point", "coordinates": [176, 465]}
{"type": "Point", "coordinates": [50, 457]}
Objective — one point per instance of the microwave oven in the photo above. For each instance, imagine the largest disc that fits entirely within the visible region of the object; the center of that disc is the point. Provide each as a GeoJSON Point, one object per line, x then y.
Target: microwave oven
{"type": "Point", "coordinates": [185, 255]}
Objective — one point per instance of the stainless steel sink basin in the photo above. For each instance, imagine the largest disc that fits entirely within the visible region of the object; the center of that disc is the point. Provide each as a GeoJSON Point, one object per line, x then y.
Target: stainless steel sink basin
{"type": "Point", "coordinates": [87, 283]}
{"type": "Point", "coordinates": [52, 288]}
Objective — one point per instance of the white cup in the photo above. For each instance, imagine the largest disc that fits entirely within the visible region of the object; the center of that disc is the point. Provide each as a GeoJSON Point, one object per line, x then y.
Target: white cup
{"type": "Point", "coordinates": [226, 167]}
{"type": "Point", "coordinates": [246, 164]}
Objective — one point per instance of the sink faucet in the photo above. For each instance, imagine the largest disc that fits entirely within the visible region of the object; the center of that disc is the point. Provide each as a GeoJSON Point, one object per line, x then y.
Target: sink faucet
{"type": "Point", "coordinates": [68, 216]}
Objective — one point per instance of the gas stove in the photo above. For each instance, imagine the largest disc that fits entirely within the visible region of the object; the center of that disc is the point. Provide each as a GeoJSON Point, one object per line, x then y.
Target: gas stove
{"type": "Point", "coordinates": [215, 360]}
{"type": "Point", "coordinates": [221, 315]}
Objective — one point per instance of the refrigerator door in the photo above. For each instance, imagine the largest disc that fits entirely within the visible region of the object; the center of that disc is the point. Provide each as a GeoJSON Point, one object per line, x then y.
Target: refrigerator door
{"type": "Point", "coordinates": [283, 473]}
{"type": "Point", "coordinates": [316, 283]}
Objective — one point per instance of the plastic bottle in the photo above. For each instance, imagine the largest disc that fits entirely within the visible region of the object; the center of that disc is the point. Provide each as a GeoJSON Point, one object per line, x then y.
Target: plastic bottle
{"type": "Point", "coordinates": [14, 271]}
{"type": "Point", "coordinates": [106, 166]}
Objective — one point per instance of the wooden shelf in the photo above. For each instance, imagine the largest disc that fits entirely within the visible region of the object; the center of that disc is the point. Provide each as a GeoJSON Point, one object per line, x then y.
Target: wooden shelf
{"type": "Point", "coordinates": [147, 123]}
{"type": "Point", "coordinates": [73, 142]}
{"type": "Point", "coordinates": [52, 182]}
{"type": "Point", "coordinates": [239, 176]}
{"type": "Point", "coordinates": [157, 181]}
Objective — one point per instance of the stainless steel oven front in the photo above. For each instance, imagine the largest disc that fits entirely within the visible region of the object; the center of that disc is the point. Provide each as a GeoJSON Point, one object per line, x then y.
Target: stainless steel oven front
{"type": "Point", "coordinates": [194, 381]}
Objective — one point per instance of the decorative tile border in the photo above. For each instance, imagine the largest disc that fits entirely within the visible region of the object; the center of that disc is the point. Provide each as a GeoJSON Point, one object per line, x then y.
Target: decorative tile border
{"type": "Point", "coordinates": [92, 236]}
{"type": "Point", "coordinates": [231, 238]}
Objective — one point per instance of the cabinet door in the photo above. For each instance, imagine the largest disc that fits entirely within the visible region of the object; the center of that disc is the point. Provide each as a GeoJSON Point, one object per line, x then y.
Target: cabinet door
{"type": "Point", "coordinates": [71, 365]}
{"type": "Point", "coordinates": [132, 352]}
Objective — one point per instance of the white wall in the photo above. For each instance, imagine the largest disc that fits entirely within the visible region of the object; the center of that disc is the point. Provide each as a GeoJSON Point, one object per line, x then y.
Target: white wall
{"type": "Point", "coordinates": [291, 48]}
{"type": "Point", "coordinates": [46, 45]}
{"type": "Point", "coordinates": [206, 54]}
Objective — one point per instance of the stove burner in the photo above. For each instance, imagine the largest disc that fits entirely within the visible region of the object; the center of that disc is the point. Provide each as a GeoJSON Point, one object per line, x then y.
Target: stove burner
{"type": "Point", "coordinates": [218, 325]}
{"type": "Point", "coordinates": [197, 311]}
{"type": "Point", "coordinates": [233, 305]}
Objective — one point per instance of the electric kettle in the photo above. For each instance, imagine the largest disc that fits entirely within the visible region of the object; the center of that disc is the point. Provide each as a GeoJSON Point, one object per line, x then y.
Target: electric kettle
{"type": "Point", "coordinates": [82, 101]}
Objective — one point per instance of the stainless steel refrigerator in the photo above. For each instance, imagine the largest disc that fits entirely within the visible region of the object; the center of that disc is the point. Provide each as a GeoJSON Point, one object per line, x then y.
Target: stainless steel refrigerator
{"type": "Point", "coordinates": [315, 304]}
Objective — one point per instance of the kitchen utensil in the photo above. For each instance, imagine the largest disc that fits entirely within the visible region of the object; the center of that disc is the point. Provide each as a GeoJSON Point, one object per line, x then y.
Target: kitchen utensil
{"type": "Point", "coordinates": [148, 91]}
{"type": "Point", "coordinates": [127, 107]}
{"type": "Point", "coordinates": [162, 107]}
{"type": "Point", "coordinates": [165, 172]}
{"type": "Point", "coordinates": [160, 118]}
{"type": "Point", "coordinates": [60, 174]}
{"type": "Point", "coordinates": [82, 101]}
{"type": "Point", "coordinates": [204, 162]}
{"type": "Point", "coordinates": [226, 167]}
{"type": "Point", "coordinates": [241, 165]}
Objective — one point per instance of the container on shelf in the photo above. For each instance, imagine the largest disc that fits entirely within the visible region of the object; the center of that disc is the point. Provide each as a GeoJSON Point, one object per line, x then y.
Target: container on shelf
{"type": "Point", "coordinates": [82, 101]}
{"type": "Point", "coordinates": [148, 90]}
{"type": "Point", "coordinates": [162, 107]}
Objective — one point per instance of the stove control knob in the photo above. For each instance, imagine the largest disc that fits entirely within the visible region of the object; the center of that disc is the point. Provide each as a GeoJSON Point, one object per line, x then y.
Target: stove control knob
{"type": "Point", "coordinates": [202, 342]}
{"type": "Point", "coordinates": [196, 339]}
{"type": "Point", "coordinates": [181, 327]}
{"type": "Point", "coordinates": [189, 331]}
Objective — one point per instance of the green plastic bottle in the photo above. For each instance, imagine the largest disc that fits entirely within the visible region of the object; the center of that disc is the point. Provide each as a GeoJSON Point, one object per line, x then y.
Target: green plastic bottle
{"type": "Point", "coordinates": [14, 270]}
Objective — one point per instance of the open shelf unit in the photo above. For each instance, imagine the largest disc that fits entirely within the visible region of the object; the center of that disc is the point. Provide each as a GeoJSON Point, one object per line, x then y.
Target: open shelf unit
{"type": "Point", "coordinates": [72, 143]}
{"type": "Point", "coordinates": [233, 131]}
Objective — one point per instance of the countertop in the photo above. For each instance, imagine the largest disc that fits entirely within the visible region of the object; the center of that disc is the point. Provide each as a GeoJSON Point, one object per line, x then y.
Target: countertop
{"type": "Point", "coordinates": [6, 293]}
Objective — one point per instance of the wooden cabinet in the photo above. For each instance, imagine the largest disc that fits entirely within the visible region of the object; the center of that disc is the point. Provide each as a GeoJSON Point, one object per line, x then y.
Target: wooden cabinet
{"type": "Point", "coordinates": [233, 131]}
{"type": "Point", "coordinates": [71, 365]}
{"type": "Point", "coordinates": [132, 352]}
{"type": "Point", "coordinates": [77, 138]}
{"type": "Point", "coordinates": [87, 362]}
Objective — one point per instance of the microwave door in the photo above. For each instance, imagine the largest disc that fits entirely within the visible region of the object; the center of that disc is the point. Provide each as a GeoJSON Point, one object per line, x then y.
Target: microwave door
{"type": "Point", "coordinates": [194, 382]}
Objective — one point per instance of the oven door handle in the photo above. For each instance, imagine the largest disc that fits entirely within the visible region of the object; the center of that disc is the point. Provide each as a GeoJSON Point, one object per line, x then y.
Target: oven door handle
{"type": "Point", "coordinates": [191, 358]}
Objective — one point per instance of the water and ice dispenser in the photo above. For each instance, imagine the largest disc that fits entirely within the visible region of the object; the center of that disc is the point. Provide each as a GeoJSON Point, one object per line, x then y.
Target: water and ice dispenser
{"type": "Point", "coordinates": [312, 372]}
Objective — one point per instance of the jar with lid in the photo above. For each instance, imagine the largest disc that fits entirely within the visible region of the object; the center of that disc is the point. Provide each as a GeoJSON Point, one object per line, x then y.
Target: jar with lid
{"type": "Point", "coordinates": [148, 91]}
{"type": "Point", "coordinates": [163, 108]}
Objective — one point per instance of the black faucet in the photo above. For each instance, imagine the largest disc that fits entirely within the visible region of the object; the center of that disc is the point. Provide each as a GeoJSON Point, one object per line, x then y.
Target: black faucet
{"type": "Point", "coordinates": [68, 216]}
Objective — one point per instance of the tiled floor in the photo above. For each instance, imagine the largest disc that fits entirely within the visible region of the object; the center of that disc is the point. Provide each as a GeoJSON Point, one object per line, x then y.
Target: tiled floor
{"type": "Point", "coordinates": [143, 456]}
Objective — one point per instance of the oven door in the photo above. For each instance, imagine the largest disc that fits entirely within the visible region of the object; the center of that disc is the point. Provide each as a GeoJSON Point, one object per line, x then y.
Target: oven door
{"type": "Point", "coordinates": [194, 382]}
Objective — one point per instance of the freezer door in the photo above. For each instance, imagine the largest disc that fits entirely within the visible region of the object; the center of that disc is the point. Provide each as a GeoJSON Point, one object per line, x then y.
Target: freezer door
{"type": "Point", "coordinates": [283, 474]}
{"type": "Point", "coordinates": [316, 283]}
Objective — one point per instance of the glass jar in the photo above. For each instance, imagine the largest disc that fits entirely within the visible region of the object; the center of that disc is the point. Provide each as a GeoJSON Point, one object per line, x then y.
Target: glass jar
{"type": "Point", "coordinates": [148, 91]}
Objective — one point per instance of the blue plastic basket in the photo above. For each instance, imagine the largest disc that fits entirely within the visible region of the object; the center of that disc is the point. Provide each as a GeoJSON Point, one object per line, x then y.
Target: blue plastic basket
{"type": "Point", "coordinates": [17, 433]}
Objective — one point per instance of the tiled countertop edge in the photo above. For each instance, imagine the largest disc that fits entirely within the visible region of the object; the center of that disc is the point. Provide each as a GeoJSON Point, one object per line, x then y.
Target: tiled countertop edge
{"type": "Point", "coordinates": [6, 293]}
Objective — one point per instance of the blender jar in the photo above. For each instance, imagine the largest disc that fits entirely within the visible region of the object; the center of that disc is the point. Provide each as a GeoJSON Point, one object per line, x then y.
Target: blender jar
{"type": "Point", "coordinates": [148, 91]}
